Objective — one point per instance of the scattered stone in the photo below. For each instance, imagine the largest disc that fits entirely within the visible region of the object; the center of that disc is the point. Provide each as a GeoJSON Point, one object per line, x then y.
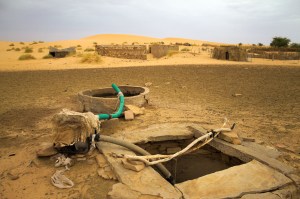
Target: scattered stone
{"type": "Point", "coordinates": [173, 150]}
{"type": "Point", "coordinates": [106, 173]}
{"type": "Point", "coordinates": [230, 137]}
{"type": "Point", "coordinates": [148, 84]}
{"type": "Point", "coordinates": [12, 176]}
{"type": "Point", "coordinates": [129, 115]}
{"type": "Point", "coordinates": [248, 139]}
{"type": "Point", "coordinates": [133, 165]}
{"type": "Point", "coordinates": [236, 95]}
{"type": "Point", "coordinates": [81, 159]}
{"type": "Point", "coordinates": [136, 110]}
{"type": "Point", "coordinates": [101, 160]}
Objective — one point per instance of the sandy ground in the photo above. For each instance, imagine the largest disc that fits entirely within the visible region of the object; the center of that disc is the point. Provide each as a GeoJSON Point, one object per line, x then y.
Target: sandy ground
{"type": "Point", "coordinates": [186, 88]}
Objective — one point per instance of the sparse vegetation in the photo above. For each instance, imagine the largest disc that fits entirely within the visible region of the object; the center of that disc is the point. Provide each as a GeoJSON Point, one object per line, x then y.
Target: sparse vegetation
{"type": "Point", "coordinates": [34, 42]}
{"type": "Point", "coordinates": [26, 57]}
{"type": "Point", "coordinates": [11, 44]}
{"type": "Point", "coordinates": [295, 45]}
{"type": "Point", "coordinates": [91, 58]}
{"type": "Point", "coordinates": [95, 43]}
{"type": "Point", "coordinates": [41, 41]}
{"type": "Point", "coordinates": [28, 50]}
{"type": "Point", "coordinates": [8, 49]}
{"type": "Point", "coordinates": [260, 44]}
{"type": "Point", "coordinates": [17, 49]}
{"type": "Point", "coordinates": [48, 56]}
{"type": "Point", "coordinates": [78, 46]}
{"type": "Point", "coordinates": [40, 50]}
{"type": "Point", "coordinates": [57, 46]}
{"type": "Point", "coordinates": [185, 49]}
{"type": "Point", "coordinates": [89, 50]}
{"type": "Point", "coordinates": [171, 53]}
{"type": "Point", "coordinates": [240, 44]}
{"type": "Point", "coordinates": [22, 43]}
{"type": "Point", "coordinates": [280, 42]}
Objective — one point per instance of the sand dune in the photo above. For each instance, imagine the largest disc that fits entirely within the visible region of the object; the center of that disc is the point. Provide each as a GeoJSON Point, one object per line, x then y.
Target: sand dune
{"type": "Point", "coordinates": [9, 56]}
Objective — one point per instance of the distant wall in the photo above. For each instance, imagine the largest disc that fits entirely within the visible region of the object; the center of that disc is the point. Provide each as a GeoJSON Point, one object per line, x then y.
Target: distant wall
{"type": "Point", "coordinates": [161, 50]}
{"type": "Point", "coordinates": [277, 55]}
{"type": "Point", "coordinates": [123, 51]}
{"type": "Point", "coordinates": [231, 53]}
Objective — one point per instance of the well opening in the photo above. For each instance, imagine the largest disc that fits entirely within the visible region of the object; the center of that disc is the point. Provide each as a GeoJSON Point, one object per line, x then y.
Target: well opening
{"type": "Point", "coordinates": [202, 162]}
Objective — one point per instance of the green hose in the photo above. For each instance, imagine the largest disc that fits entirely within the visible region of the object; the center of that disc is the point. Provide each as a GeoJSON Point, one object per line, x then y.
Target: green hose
{"type": "Point", "coordinates": [121, 106]}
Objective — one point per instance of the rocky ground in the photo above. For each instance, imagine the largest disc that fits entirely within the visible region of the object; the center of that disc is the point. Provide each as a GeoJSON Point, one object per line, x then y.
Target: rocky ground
{"type": "Point", "coordinates": [267, 110]}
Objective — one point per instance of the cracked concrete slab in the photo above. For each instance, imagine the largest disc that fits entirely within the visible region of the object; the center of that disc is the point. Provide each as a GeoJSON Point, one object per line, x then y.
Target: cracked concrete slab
{"type": "Point", "coordinates": [252, 177]}
{"type": "Point", "coordinates": [146, 182]}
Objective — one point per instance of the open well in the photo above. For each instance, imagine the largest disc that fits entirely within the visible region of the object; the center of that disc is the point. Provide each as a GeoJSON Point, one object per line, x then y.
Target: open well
{"type": "Point", "coordinates": [202, 162]}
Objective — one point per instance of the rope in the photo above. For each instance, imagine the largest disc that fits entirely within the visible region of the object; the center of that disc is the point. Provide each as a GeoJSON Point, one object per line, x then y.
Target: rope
{"type": "Point", "coordinates": [61, 181]}
{"type": "Point", "coordinates": [159, 158]}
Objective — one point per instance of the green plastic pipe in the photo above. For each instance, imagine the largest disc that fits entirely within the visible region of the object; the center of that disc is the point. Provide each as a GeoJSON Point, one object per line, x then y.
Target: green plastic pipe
{"type": "Point", "coordinates": [120, 108]}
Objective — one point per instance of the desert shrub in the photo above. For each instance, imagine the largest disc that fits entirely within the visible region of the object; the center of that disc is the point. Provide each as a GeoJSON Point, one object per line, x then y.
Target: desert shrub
{"type": "Point", "coordinates": [57, 46]}
{"type": "Point", "coordinates": [34, 42]}
{"type": "Point", "coordinates": [22, 43]}
{"type": "Point", "coordinates": [95, 43]}
{"type": "Point", "coordinates": [48, 56]}
{"type": "Point", "coordinates": [40, 50]}
{"type": "Point", "coordinates": [260, 44]}
{"type": "Point", "coordinates": [89, 50]}
{"type": "Point", "coordinates": [78, 46]}
{"type": "Point", "coordinates": [171, 53]}
{"type": "Point", "coordinates": [28, 50]}
{"type": "Point", "coordinates": [26, 57]}
{"type": "Point", "coordinates": [90, 58]}
{"type": "Point", "coordinates": [41, 41]}
{"type": "Point", "coordinates": [8, 49]}
{"type": "Point", "coordinates": [11, 44]}
{"type": "Point", "coordinates": [17, 49]}
{"type": "Point", "coordinates": [185, 49]}
{"type": "Point", "coordinates": [240, 44]}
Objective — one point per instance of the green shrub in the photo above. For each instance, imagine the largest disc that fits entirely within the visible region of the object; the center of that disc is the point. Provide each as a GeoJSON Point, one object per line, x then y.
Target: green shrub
{"type": "Point", "coordinates": [90, 58]}
{"type": "Point", "coordinates": [17, 49]}
{"type": "Point", "coordinates": [11, 44]}
{"type": "Point", "coordinates": [185, 49]}
{"type": "Point", "coordinates": [48, 56]}
{"type": "Point", "coordinates": [40, 50]}
{"type": "Point", "coordinates": [28, 50]}
{"type": "Point", "coordinates": [89, 50]}
{"type": "Point", "coordinates": [26, 57]}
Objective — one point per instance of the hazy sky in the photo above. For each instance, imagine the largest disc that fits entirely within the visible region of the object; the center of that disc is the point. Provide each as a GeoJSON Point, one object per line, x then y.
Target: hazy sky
{"type": "Point", "coordinates": [230, 21]}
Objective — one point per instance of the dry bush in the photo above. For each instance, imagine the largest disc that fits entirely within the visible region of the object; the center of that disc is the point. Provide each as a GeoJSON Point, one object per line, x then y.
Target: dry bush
{"type": "Point", "coordinates": [11, 44]}
{"type": "Point", "coordinates": [48, 56]}
{"type": "Point", "coordinates": [185, 49]}
{"type": "Point", "coordinates": [40, 50]}
{"type": "Point", "coordinates": [17, 49]}
{"type": "Point", "coordinates": [91, 58]}
{"type": "Point", "coordinates": [28, 50]}
{"type": "Point", "coordinates": [171, 53]}
{"type": "Point", "coordinates": [22, 43]}
{"type": "Point", "coordinates": [89, 50]}
{"type": "Point", "coordinates": [26, 57]}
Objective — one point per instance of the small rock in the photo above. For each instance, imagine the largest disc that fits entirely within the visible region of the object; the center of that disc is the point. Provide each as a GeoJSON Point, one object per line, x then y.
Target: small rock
{"type": "Point", "coordinates": [136, 110]}
{"type": "Point", "coordinates": [81, 159]}
{"type": "Point", "coordinates": [148, 84]}
{"type": "Point", "coordinates": [133, 165]}
{"type": "Point", "coordinates": [12, 176]}
{"type": "Point", "coordinates": [101, 161]}
{"type": "Point", "coordinates": [168, 83]}
{"type": "Point", "coordinates": [173, 150]}
{"type": "Point", "coordinates": [230, 137]}
{"type": "Point", "coordinates": [129, 115]}
{"type": "Point", "coordinates": [248, 139]}
{"type": "Point", "coordinates": [236, 95]}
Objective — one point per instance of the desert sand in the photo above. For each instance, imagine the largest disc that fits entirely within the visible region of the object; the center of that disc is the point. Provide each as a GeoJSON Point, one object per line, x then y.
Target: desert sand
{"type": "Point", "coordinates": [186, 87]}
